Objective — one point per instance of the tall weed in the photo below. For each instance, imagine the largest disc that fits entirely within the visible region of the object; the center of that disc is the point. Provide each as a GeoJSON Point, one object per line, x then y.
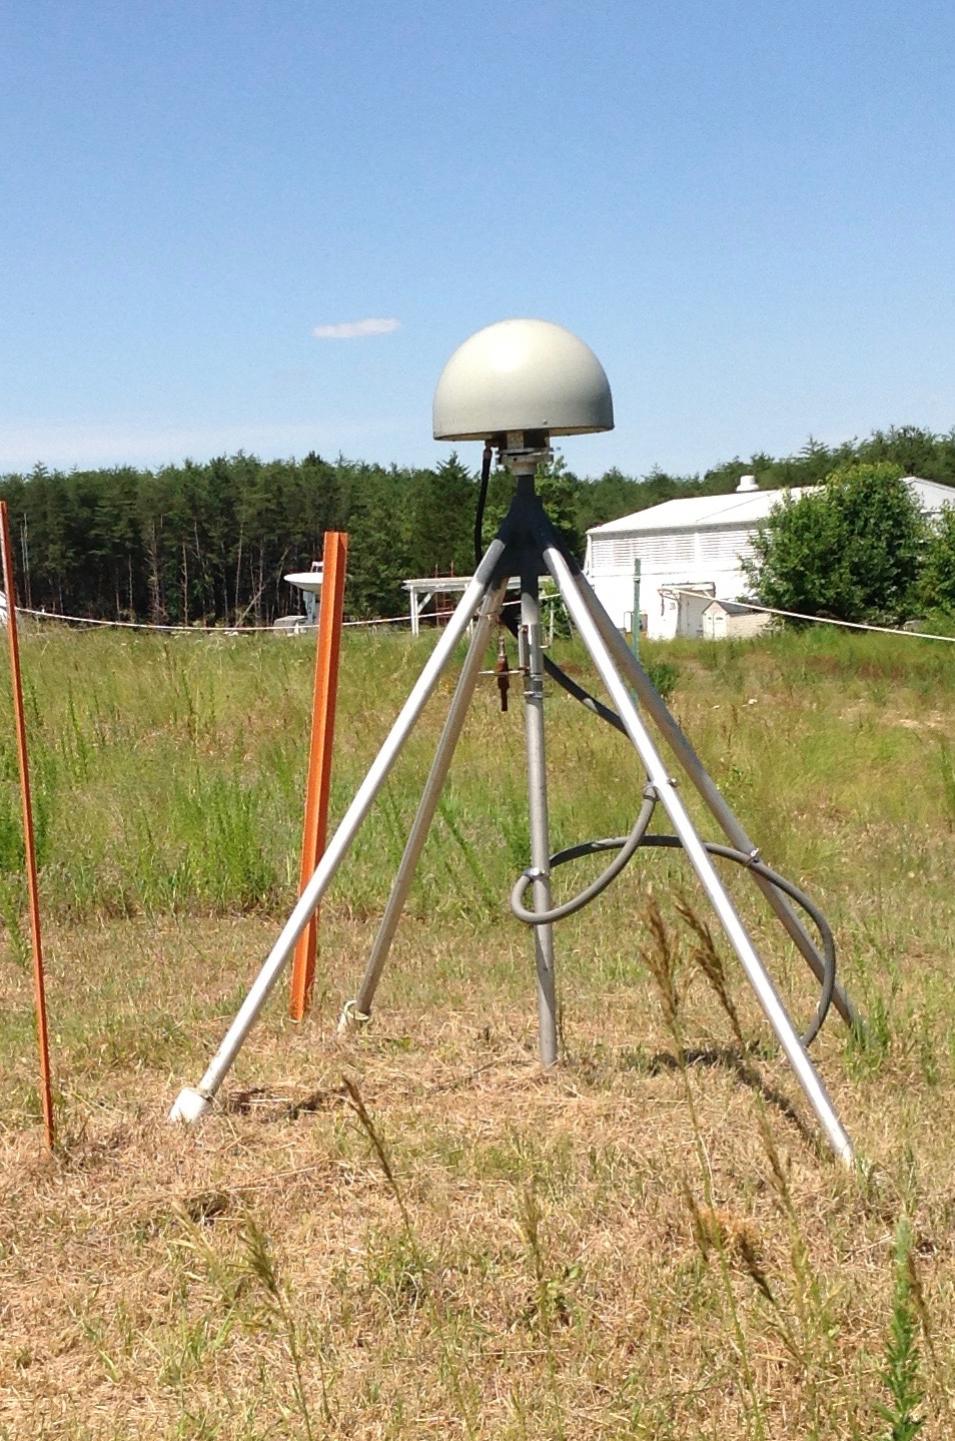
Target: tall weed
{"type": "Point", "coordinates": [901, 1367]}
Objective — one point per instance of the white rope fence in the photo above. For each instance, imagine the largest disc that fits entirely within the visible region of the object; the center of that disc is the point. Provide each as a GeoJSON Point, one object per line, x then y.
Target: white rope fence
{"type": "Point", "coordinates": [298, 627]}
{"type": "Point", "coordinates": [816, 619]}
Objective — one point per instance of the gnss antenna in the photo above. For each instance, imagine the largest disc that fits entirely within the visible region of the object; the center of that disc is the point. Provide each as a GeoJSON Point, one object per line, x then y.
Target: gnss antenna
{"type": "Point", "coordinates": [513, 386]}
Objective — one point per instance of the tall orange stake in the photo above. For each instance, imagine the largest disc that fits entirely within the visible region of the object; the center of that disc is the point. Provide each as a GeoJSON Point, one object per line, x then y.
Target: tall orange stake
{"type": "Point", "coordinates": [29, 845]}
{"type": "Point", "coordinates": [320, 755]}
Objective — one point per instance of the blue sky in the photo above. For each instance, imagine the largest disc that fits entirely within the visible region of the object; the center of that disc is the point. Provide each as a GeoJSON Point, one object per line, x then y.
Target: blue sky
{"type": "Point", "coordinates": [746, 209]}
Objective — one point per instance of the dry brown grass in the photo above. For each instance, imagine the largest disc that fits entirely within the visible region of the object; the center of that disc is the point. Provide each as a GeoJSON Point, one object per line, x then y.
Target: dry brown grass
{"type": "Point", "coordinates": [572, 1255]}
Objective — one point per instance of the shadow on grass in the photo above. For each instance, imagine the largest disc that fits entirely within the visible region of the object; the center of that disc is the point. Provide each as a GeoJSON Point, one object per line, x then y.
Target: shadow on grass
{"type": "Point", "coordinates": [729, 1058]}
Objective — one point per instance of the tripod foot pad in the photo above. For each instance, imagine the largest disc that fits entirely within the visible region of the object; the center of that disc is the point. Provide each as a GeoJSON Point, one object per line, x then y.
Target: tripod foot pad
{"type": "Point", "coordinates": [191, 1105]}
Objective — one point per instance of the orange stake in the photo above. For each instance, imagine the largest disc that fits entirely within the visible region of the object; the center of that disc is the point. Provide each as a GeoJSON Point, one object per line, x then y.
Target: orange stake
{"type": "Point", "coordinates": [10, 590]}
{"type": "Point", "coordinates": [320, 756]}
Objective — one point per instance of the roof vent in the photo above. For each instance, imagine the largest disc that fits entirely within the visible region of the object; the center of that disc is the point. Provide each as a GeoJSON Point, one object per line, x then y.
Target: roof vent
{"type": "Point", "coordinates": [746, 483]}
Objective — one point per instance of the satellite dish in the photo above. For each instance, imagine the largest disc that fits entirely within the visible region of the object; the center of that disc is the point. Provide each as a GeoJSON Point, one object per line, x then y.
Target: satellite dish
{"type": "Point", "coordinates": [307, 580]}
{"type": "Point", "coordinates": [310, 583]}
{"type": "Point", "coordinates": [521, 375]}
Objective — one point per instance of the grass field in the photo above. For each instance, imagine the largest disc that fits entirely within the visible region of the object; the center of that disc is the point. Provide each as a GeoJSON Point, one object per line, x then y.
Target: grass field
{"type": "Point", "coordinates": [412, 1232]}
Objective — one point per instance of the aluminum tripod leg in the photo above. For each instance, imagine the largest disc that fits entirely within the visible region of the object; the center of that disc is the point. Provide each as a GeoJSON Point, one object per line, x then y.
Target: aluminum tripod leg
{"type": "Point", "coordinates": [715, 801]}
{"type": "Point", "coordinates": [665, 789]}
{"type": "Point", "coordinates": [360, 1008]}
{"type": "Point", "coordinates": [537, 811]}
{"type": "Point", "coordinates": [193, 1102]}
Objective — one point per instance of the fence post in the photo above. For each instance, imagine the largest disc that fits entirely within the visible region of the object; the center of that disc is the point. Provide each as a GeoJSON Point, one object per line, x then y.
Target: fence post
{"type": "Point", "coordinates": [29, 843]}
{"type": "Point", "coordinates": [635, 620]}
{"type": "Point", "coordinates": [327, 651]}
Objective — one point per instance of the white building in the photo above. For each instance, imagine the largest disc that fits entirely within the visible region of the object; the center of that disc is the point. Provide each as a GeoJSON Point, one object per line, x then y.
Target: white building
{"type": "Point", "coordinates": [641, 562]}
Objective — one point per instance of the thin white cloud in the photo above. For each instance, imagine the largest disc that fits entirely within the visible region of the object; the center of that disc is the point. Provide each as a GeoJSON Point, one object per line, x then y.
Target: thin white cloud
{"type": "Point", "coordinates": [353, 329]}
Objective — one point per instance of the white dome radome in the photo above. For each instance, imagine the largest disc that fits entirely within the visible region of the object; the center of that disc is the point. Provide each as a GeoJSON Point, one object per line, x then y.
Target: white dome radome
{"type": "Point", "coordinates": [521, 375]}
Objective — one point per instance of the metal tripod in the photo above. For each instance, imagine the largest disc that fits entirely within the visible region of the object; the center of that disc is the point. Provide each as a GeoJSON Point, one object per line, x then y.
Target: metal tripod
{"type": "Point", "coordinates": [527, 545]}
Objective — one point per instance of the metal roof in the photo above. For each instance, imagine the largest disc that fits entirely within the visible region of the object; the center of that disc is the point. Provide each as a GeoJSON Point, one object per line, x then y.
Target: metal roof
{"type": "Point", "coordinates": [730, 607]}
{"type": "Point", "coordinates": [746, 508]}
{"type": "Point", "coordinates": [739, 508]}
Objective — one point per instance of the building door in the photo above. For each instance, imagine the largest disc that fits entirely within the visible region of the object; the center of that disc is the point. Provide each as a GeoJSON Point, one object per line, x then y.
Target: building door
{"type": "Point", "coordinates": [691, 607]}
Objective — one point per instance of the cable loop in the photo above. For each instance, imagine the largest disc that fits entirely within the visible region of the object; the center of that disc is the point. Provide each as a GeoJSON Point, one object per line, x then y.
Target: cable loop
{"type": "Point", "coordinates": [627, 847]}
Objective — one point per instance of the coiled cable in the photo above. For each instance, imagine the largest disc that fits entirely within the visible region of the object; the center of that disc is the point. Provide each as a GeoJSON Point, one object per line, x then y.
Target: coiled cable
{"type": "Point", "coordinates": [627, 846]}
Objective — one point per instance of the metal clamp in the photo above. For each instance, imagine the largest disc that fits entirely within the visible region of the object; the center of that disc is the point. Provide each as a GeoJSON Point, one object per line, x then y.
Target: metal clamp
{"type": "Point", "coordinates": [351, 1017]}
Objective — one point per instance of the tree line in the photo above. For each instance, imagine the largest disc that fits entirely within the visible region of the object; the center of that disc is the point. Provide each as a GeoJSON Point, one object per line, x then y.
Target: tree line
{"type": "Point", "coordinates": [209, 543]}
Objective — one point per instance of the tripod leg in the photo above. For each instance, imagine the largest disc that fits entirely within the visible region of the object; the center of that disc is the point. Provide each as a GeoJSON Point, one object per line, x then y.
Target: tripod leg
{"type": "Point", "coordinates": [715, 802]}
{"type": "Point", "coordinates": [193, 1102]}
{"type": "Point", "coordinates": [537, 811]}
{"type": "Point", "coordinates": [360, 1008]}
{"type": "Point", "coordinates": [665, 788]}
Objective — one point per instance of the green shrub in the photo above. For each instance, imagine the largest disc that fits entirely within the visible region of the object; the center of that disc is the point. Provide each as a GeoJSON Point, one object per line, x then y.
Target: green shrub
{"type": "Point", "coordinates": [851, 549]}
